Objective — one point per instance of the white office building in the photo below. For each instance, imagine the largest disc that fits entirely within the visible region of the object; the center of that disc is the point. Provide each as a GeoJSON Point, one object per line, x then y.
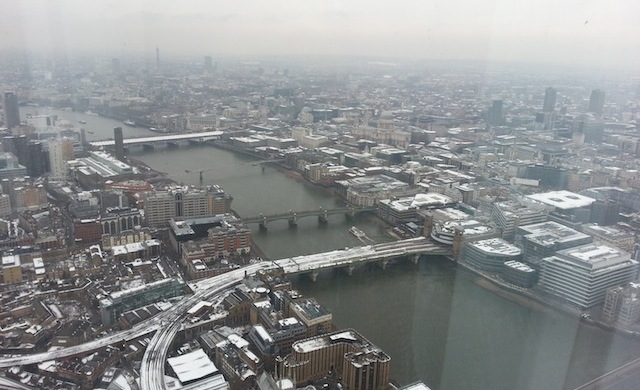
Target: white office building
{"type": "Point", "coordinates": [581, 275]}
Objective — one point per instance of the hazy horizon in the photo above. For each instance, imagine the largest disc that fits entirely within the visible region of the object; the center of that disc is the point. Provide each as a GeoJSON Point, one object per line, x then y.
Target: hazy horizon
{"type": "Point", "coordinates": [570, 33]}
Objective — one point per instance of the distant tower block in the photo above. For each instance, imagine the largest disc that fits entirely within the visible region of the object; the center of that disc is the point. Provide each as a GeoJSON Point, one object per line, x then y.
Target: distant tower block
{"type": "Point", "coordinates": [11, 111]}
{"type": "Point", "coordinates": [158, 57]}
{"type": "Point", "coordinates": [119, 143]}
{"type": "Point", "coordinates": [596, 101]}
{"type": "Point", "coordinates": [208, 63]}
{"type": "Point", "coordinates": [550, 95]}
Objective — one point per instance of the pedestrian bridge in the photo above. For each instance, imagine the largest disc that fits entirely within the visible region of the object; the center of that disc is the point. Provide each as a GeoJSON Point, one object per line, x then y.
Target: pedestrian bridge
{"type": "Point", "coordinates": [201, 137]}
{"type": "Point", "coordinates": [293, 216]}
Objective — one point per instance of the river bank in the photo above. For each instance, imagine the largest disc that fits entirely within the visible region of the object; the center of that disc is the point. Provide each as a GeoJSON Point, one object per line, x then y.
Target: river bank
{"type": "Point", "coordinates": [540, 302]}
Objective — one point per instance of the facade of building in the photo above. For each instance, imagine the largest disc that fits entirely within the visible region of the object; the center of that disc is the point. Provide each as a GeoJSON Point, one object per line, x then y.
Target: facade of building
{"type": "Point", "coordinates": [406, 209]}
{"type": "Point", "coordinates": [10, 167]}
{"type": "Point", "coordinates": [471, 229]}
{"type": "Point", "coordinates": [361, 364]}
{"type": "Point", "coordinates": [60, 151]}
{"type": "Point", "coordinates": [209, 238]}
{"type": "Point", "coordinates": [314, 316]}
{"type": "Point", "coordinates": [11, 110]}
{"type": "Point", "coordinates": [119, 143]}
{"type": "Point", "coordinates": [509, 215]}
{"type": "Point", "coordinates": [11, 269]}
{"type": "Point", "coordinates": [611, 236]}
{"type": "Point", "coordinates": [519, 274]}
{"type": "Point", "coordinates": [580, 276]}
{"type": "Point", "coordinates": [5, 205]}
{"type": "Point", "coordinates": [180, 203]}
{"type": "Point", "coordinates": [550, 95]}
{"type": "Point", "coordinates": [542, 240]}
{"type": "Point", "coordinates": [366, 191]}
{"type": "Point", "coordinates": [490, 254]}
{"type": "Point", "coordinates": [120, 301]}
{"type": "Point", "coordinates": [622, 304]}
{"type": "Point", "coordinates": [596, 101]}
{"type": "Point", "coordinates": [99, 168]}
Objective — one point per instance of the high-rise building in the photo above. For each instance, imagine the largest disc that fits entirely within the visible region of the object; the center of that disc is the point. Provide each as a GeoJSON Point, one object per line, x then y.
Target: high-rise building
{"type": "Point", "coordinates": [17, 144]}
{"type": "Point", "coordinates": [596, 101]}
{"type": "Point", "coordinates": [550, 95]}
{"type": "Point", "coordinates": [622, 304]}
{"type": "Point", "coordinates": [581, 275]}
{"type": "Point", "coordinates": [36, 166]}
{"type": "Point", "coordinates": [119, 143]}
{"type": "Point", "coordinates": [361, 364]}
{"type": "Point", "coordinates": [494, 115]}
{"type": "Point", "coordinates": [11, 110]}
{"type": "Point", "coordinates": [509, 215]}
{"type": "Point", "coordinates": [60, 151]}
{"type": "Point", "coordinates": [208, 63]}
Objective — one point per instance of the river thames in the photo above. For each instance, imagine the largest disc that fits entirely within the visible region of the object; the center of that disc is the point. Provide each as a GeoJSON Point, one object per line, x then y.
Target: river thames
{"type": "Point", "coordinates": [435, 321]}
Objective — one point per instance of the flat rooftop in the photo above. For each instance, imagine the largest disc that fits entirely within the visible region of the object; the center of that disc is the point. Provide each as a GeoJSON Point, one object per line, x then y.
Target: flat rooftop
{"type": "Point", "coordinates": [564, 200]}
{"type": "Point", "coordinates": [607, 232]}
{"type": "Point", "coordinates": [548, 233]}
{"type": "Point", "coordinates": [519, 266]}
{"type": "Point", "coordinates": [596, 256]}
{"type": "Point", "coordinates": [496, 246]}
{"type": "Point", "coordinates": [192, 366]}
{"type": "Point", "coordinates": [349, 336]}
{"type": "Point", "coordinates": [419, 201]}
{"type": "Point", "coordinates": [310, 308]}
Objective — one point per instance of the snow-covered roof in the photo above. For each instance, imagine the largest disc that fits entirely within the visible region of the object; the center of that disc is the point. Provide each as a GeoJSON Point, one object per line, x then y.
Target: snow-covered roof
{"type": "Point", "coordinates": [191, 366]}
{"type": "Point", "coordinates": [564, 200]}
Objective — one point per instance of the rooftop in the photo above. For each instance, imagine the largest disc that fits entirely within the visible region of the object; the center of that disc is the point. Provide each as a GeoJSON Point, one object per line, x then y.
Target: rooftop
{"type": "Point", "coordinates": [419, 201]}
{"type": "Point", "coordinates": [344, 336]}
{"type": "Point", "coordinates": [549, 233]}
{"type": "Point", "coordinates": [496, 246]}
{"type": "Point", "coordinates": [192, 366]}
{"type": "Point", "coordinates": [595, 256]}
{"type": "Point", "coordinates": [519, 266]}
{"type": "Point", "coordinates": [564, 200]}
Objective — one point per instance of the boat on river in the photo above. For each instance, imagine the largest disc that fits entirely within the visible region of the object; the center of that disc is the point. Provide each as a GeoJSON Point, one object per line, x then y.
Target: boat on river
{"type": "Point", "coordinates": [356, 232]}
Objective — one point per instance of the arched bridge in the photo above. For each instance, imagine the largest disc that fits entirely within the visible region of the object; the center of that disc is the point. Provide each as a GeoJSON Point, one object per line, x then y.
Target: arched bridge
{"type": "Point", "coordinates": [293, 216]}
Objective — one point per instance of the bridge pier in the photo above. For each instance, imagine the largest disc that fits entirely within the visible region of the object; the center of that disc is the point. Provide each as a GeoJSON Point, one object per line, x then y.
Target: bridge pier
{"type": "Point", "coordinates": [293, 220]}
{"type": "Point", "coordinates": [415, 258]}
{"type": "Point", "coordinates": [351, 214]}
{"type": "Point", "coordinates": [384, 263]}
{"type": "Point", "coordinates": [263, 224]}
{"type": "Point", "coordinates": [314, 276]}
{"type": "Point", "coordinates": [323, 218]}
{"type": "Point", "coordinates": [350, 268]}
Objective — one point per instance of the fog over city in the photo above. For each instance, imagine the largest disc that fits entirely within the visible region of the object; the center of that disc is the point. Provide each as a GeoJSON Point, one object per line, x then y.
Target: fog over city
{"type": "Point", "coordinates": [319, 195]}
{"type": "Point", "coordinates": [575, 33]}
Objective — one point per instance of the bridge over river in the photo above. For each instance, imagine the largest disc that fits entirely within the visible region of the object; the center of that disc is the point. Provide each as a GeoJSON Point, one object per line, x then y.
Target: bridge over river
{"type": "Point", "coordinates": [293, 216]}
{"type": "Point", "coordinates": [200, 137]}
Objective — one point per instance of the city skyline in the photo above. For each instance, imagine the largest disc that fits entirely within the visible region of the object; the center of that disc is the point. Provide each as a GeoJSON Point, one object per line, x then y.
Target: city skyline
{"type": "Point", "coordinates": [576, 34]}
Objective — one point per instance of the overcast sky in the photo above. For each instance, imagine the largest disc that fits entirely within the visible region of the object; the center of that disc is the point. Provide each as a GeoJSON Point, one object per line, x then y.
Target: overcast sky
{"type": "Point", "coordinates": [600, 33]}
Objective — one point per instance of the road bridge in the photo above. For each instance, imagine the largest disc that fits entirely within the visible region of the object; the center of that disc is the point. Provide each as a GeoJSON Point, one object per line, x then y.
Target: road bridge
{"type": "Point", "coordinates": [293, 216]}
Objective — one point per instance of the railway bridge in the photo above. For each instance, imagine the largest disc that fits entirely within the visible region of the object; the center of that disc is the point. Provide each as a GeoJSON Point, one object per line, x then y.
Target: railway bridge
{"type": "Point", "coordinates": [293, 216]}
